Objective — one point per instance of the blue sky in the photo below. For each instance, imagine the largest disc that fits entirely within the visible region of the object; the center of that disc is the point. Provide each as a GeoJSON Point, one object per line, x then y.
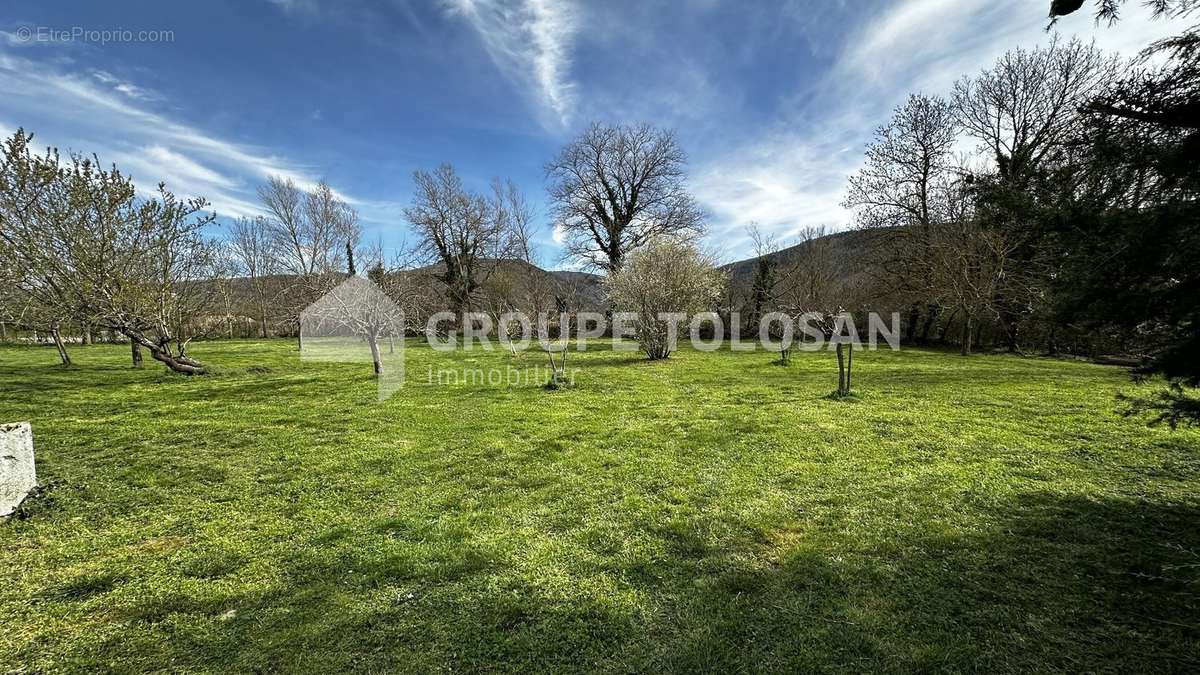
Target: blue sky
{"type": "Point", "coordinates": [773, 102]}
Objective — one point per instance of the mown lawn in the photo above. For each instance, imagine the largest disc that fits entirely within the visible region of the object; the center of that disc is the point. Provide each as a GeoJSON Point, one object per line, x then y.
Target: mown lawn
{"type": "Point", "coordinates": [715, 511]}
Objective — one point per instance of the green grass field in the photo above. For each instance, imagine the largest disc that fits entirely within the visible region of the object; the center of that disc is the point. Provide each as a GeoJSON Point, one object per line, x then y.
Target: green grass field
{"type": "Point", "coordinates": [715, 511]}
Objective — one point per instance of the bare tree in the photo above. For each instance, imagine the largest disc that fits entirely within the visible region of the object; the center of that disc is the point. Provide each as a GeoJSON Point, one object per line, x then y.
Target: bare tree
{"type": "Point", "coordinates": [1027, 104]}
{"type": "Point", "coordinates": [253, 250]}
{"type": "Point", "coordinates": [969, 263]}
{"type": "Point", "coordinates": [308, 234]}
{"type": "Point", "coordinates": [520, 285]}
{"type": "Point", "coordinates": [809, 278]}
{"type": "Point", "coordinates": [614, 188]}
{"type": "Point", "coordinates": [355, 310]}
{"type": "Point", "coordinates": [308, 230]}
{"type": "Point", "coordinates": [165, 282]}
{"type": "Point", "coordinates": [812, 291]}
{"type": "Point", "coordinates": [465, 233]}
{"type": "Point", "coordinates": [902, 191]}
{"type": "Point", "coordinates": [333, 230]}
{"type": "Point", "coordinates": [908, 167]}
{"type": "Point", "coordinates": [516, 219]}
{"type": "Point", "coordinates": [291, 233]}
{"type": "Point", "coordinates": [226, 293]}
{"type": "Point", "coordinates": [1024, 111]}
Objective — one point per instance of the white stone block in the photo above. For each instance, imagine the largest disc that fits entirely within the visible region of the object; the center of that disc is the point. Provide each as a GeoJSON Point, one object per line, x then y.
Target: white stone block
{"type": "Point", "coordinates": [17, 476]}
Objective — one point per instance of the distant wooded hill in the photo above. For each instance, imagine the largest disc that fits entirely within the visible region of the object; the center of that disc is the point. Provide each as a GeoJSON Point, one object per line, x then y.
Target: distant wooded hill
{"type": "Point", "coordinates": [845, 251]}
{"type": "Point", "coordinates": [842, 258]}
{"type": "Point", "coordinates": [842, 262]}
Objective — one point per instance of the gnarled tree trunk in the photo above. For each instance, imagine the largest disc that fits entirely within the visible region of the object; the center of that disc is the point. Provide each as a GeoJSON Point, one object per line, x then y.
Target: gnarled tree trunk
{"type": "Point", "coordinates": [162, 353]}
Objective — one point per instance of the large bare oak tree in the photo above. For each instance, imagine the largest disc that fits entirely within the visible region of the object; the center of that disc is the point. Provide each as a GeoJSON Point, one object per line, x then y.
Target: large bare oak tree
{"type": "Point", "coordinates": [614, 188]}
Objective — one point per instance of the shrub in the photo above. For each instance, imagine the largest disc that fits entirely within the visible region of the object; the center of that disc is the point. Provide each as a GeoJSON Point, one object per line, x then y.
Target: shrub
{"type": "Point", "coordinates": [666, 277]}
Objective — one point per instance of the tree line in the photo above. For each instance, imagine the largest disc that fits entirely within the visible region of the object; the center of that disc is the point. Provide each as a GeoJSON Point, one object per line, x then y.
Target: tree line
{"type": "Point", "coordinates": [86, 254]}
{"type": "Point", "coordinates": [1072, 226]}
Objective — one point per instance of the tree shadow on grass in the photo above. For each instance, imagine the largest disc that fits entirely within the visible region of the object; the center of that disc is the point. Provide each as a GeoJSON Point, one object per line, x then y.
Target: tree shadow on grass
{"type": "Point", "coordinates": [1041, 582]}
{"type": "Point", "coordinates": [612, 358]}
{"type": "Point", "coordinates": [52, 380]}
{"type": "Point", "coordinates": [1057, 583]}
{"type": "Point", "coordinates": [28, 380]}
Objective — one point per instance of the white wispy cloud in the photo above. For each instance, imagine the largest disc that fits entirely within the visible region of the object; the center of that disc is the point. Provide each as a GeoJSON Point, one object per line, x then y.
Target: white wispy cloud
{"type": "Point", "coordinates": [783, 180]}
{"type": "Point", "coordinates": [793, 173]}
{"type": "Point", "coordinates": [122, 86]}
{"type": "Point", "coordinates": [97, 112]}
{"type": "Point", "coordinates": [530, 42]}
{"type": "Point", "coordinates": [904, 35]}
{"type": "Point", "coordinates": [295, 5]}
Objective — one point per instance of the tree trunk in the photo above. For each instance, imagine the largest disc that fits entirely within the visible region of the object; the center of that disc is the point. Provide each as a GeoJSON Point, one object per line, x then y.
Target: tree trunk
{"type": "Point", "coordinates": [932, 312]}
{"type": "Point", "coordinates": [946, 326]}
{"type": "Point", "coordinates": [557, 370]}
{"type": "Point", "coordinates": [914, 313]}
{"type": "Point", "coordinates": [849, 367]}
{"type": "Point", "coordinates": [179, 364]}
{"type": "Point", "coordinates": [136, 350]}
{"type": "Point", "coordinates": [162, 354]}
{"type": "Point", "coordinates": [87, 333]}
{"type": "Point", "coordinates": [841, 358]}
{"type": "Point", "coordinates": [59, 345]}
{"type": "Point", "coordinates": [3, 332]}
{"type": "Point", "coordinates": [1012, 338]}
{"type": "Point", "coordinates": [375, 358]}
{"type": "Point", "coordinates": [1010, 322]}
{"type": "Point", "coordinates": [965, 347]}
{"type": "Point", "coordinates": [615, 259]}
{"type": "Point", "coordinates": [262, 315]}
